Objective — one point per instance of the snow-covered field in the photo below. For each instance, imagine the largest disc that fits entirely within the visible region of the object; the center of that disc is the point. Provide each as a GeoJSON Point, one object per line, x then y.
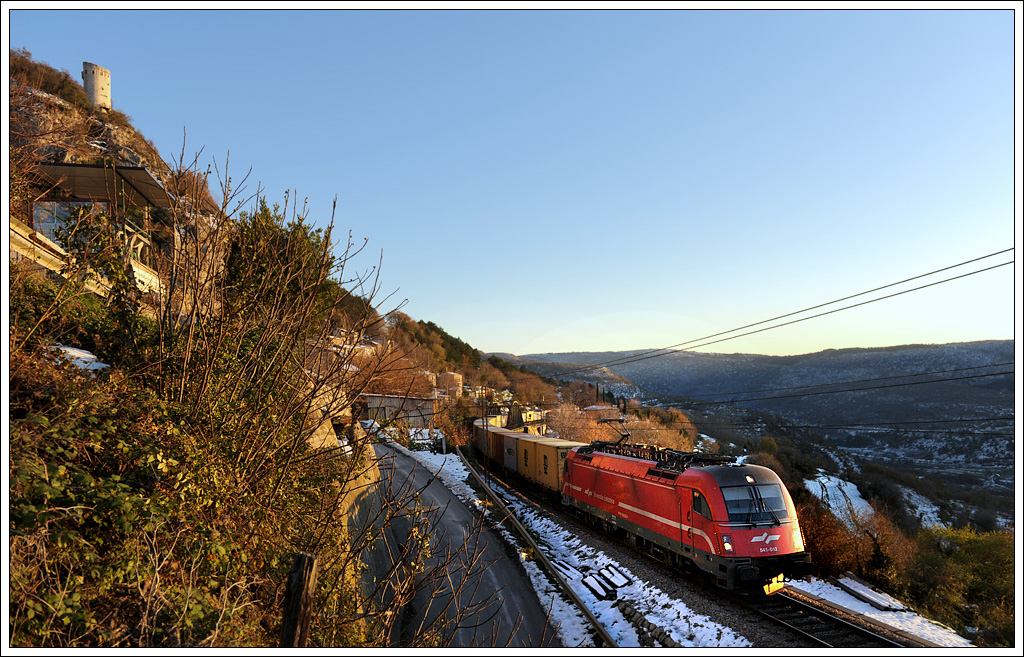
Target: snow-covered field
{"type": "Point", "coordinates": [922, 508]}
{"type": "Point", "coordinates": [578, 562]}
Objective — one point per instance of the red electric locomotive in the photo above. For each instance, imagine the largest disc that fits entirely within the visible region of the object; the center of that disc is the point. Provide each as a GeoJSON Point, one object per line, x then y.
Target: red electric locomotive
{"type": "Point", "coordinates": [736, 522]}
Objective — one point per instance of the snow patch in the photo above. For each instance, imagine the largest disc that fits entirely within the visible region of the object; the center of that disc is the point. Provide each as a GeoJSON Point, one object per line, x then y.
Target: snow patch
{"type": "Point", "coordinates": [905, 620]}
{"type": "Point", "coordinates": [841, 498]}
{"type": "Point", "coordinates": [922, 508]}
{"type": "Point", "coordinates": [578, 562]}
{"type": "Point", "coordinates": [81, 358]}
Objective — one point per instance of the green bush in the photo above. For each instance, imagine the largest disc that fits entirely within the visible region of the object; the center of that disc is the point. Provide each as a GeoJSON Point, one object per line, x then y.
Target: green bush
{"type": "Point", "coordinates": [965, 579]}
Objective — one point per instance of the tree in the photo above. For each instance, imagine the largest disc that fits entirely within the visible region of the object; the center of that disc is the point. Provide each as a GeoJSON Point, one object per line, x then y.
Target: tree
{"type": "Point", "coordinates": [567, 421]}
{"type": "Point", "coordinates": [965, 578]}
{"type": "Point", "coordinates": [161, 503]}
{"type": "Point", "coordinates": [530, 389]}
{"type": "Point", "coordinates": [580, 394]}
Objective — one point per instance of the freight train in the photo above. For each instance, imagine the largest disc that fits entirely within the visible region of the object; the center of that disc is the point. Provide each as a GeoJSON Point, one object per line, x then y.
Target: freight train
{"type": "Point", "coordinates": [735, 522]}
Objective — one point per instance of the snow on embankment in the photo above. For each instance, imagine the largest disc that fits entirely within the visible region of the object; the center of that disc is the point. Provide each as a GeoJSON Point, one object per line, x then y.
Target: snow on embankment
{"type": "Point", "coordinates": [907, 621]}
{"type": "Point", "coordinates": [922, 508]}
{"type": "Point", "coordinates": [579, 562]}
{"type": "Point", "coordinates": [840, 497]}
{"type": "Point", "coordinates": [845, 502]}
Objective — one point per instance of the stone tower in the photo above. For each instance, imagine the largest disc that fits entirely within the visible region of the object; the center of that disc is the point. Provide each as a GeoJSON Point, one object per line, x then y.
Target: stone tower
{"type": "Point", "coordinates": [96, 81]}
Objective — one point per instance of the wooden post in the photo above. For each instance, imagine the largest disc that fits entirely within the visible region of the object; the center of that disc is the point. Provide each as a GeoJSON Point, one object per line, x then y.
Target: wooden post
{"type": "Point", "coordinates": [298, 601]}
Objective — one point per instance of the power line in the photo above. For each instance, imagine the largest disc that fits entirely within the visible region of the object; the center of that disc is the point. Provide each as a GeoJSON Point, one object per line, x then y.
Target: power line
{"type": "Point", "coordinates": [890, 427]}
{"type": "Point", "coordinates": [686, 403]}
{"type": "Point", "coordinates": [838, 383]}
{"type": "Point", "coordinates": [1004, 418]}
{"type": "Point", "coordinates": [754, 425]}
{"type": "Point", "coordinates": [833, 392]}
{"type": "Point", "coordinates": [735, 425]}
{"type": "Point", "coordinates": [848, 427]}
{"type": "Point", "coordinates": [822, 305]}
{"type": "Point", "coordinates": [644, 355]}
{"type": "Point", "coordinates": [672, 349]}
{"type": "Point", "coordinates": [804, 319]}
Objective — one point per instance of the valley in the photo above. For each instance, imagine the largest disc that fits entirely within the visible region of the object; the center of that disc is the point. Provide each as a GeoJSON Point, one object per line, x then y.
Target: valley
{"type": "Point", "coordinates": [941, 410]}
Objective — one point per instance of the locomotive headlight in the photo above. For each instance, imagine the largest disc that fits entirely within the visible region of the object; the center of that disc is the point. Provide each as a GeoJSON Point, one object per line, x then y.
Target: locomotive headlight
{"type": "Point", "coordinates": [798, 539]}
{"type": "Point", "coordinates": [727, 542]}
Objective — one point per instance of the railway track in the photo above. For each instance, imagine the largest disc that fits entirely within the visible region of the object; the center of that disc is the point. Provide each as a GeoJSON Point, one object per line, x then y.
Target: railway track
{"type": "Point", "coordinates": [602, 636]}
{"type": "Point", "coordinates": [813, 624]}
{"type": "Point", "coordinates": [816, 624]}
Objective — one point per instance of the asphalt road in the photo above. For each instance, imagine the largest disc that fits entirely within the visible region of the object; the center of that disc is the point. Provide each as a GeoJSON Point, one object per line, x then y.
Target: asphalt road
{"type": "Point", "coordinates": [475, 592]}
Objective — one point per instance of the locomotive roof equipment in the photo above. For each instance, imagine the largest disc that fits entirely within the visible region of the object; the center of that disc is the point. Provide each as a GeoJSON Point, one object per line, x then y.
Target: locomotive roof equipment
{"type": "Point", "coordinates": [672, 460]}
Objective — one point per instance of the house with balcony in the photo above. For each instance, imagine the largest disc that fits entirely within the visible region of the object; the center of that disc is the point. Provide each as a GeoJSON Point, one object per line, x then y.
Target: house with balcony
{"type": "Point", "coordinates": [131, 196]}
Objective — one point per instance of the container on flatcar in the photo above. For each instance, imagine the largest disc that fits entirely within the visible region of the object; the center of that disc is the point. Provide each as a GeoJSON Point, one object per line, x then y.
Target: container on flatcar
{"type": "Point", "coordinates": [483, 435]}
{"type": "Point", "coordinates": [526, 457]}
{"type": "Point", "coordinates": [511, 444]}
{"type": "Point", "coordinates": [550, 461]}
{"type": "Point", "coordinates": [496, 446]}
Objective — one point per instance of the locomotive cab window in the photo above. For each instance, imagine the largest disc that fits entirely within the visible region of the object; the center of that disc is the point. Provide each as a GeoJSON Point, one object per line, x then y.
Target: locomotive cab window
{"type": "Point", "coordinates": [700, 505]}
{"type": "Point", "coordinates": [755, 504]}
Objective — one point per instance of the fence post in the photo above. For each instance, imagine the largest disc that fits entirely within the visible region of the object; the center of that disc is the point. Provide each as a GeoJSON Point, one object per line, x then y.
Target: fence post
{"type": "Point", "coordinates": [298, 601]}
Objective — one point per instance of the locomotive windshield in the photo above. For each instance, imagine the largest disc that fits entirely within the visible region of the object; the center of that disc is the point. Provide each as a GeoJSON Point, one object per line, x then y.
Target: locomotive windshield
{"type": "Point", "coordinates": [753, 504]}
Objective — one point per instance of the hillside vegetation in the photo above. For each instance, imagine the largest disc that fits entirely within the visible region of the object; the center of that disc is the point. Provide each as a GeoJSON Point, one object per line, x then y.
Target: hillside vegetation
{"type": "Point", "coordinates": [58, 124]}
{"type": "Point", "coordinates": [944, 410]}
{"type": "Point", "coordinates": [160, 502]}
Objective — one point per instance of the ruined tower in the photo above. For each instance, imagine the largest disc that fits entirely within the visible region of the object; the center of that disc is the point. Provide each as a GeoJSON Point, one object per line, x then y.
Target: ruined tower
{"type": "Point", "coordinates": [96, 81]}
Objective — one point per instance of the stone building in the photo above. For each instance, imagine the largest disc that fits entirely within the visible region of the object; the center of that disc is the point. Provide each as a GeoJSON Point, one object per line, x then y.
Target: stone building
{"type": "Point", "coordinates": [96, 81]}
{"type": "Point", "coordinates": [414, 412]}
{"type": "Point", "coordinates": [449, 384]}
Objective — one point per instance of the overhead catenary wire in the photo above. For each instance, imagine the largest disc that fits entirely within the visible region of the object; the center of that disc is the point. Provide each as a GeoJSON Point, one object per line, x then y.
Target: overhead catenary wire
{"type": "Point", "coordinates": [686, 401]}
{"type": "Point", "coordinates": [706, 340]}
{"type": "Point", "coordinates": [841, 383]}
{"type": "Point", "coordinates": [804, 319]}
{"type": "Point", "coordinates": [672, 349]}
{"type": "Point", "coordinates": [893, 425]}
{"type": "Point", "coordinates": [833, 392]}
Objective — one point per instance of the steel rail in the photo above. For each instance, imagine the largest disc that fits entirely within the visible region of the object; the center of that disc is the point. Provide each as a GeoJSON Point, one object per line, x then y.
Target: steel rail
{"type": "Point", "coordinates": [809, 611]}
{"type": "Point", "coordinates": [541, 557]}
{"type": "Point", "coordinates": [851, 629]}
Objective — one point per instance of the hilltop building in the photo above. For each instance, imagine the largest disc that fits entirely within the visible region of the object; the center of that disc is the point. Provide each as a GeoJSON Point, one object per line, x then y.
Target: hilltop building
{"type": "Point", "coordinates": [68, 164]}
{"type": "Point", "coordinates": [96, 81]}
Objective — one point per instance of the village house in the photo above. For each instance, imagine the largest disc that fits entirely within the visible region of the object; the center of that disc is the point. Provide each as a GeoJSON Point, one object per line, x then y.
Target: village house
{"type": "Point", "coordinates": [131, 193]}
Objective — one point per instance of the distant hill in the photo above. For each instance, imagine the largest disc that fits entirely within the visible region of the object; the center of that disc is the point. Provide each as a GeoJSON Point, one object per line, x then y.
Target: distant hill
{"type": "Point", "coordinates": [738, 377]}
{"type": "Point", "coordinates": [894, 415]}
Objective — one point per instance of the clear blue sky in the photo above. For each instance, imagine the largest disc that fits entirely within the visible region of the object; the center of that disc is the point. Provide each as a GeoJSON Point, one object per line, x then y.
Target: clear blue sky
{"type": "Point", "coordinates": [600, 180]}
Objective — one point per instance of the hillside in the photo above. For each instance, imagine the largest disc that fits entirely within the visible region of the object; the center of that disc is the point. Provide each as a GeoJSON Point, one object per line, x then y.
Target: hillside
{"type": "Point", "coordinates": [876, 403]}
{"type": "Point", "coordinates": [51, 120]}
